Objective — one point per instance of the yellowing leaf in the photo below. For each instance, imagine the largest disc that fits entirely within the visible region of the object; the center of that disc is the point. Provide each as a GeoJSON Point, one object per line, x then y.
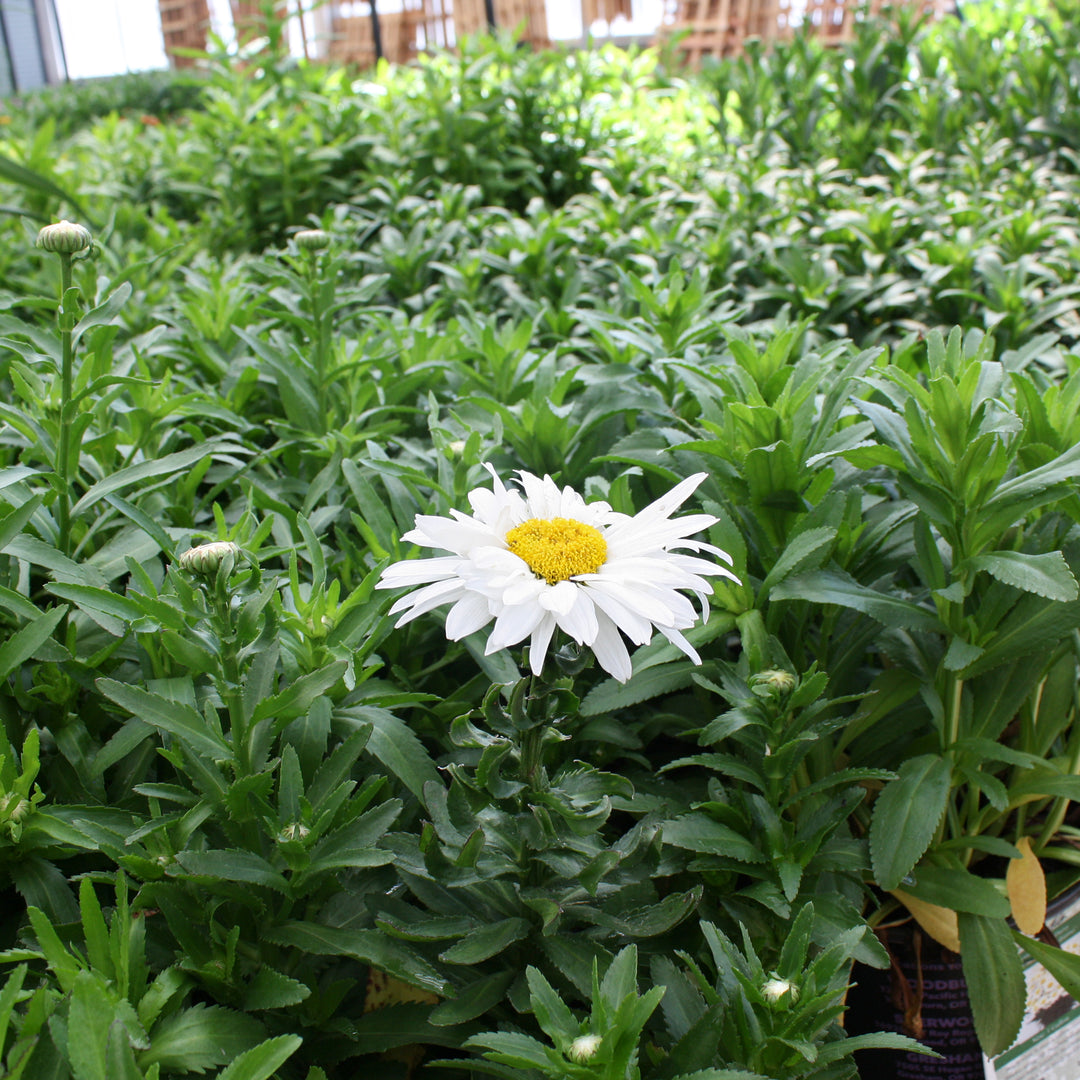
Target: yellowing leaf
{"type": "Point", "coordinates": [384, 990]}
{"type": "Point", "coordinates": [939, 922]}
{"type": "Point", "coordinates": [1026, 885]}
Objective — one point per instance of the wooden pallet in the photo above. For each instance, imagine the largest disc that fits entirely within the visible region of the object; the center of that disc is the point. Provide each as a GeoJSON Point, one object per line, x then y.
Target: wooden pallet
{"type": "Point", "coordinates": [249, 18]}
{"type": "Point", "coordinates": [605, 11]}
{"type": "Point", "coordinates": [718, 28]}
{"type": "Point", "coordinates": [352, 38]}
{"type": "Point", "coordinates": [184, 24]}
{"type": "Point", "coordinates": [529, 17]}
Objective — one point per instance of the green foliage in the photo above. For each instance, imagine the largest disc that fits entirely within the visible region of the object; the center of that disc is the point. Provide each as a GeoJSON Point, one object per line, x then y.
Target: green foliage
{"type": "Point", "coordinates": [343, 840]}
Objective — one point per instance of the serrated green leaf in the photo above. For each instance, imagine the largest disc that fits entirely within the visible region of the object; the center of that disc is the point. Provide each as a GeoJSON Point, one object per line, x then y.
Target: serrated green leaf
{"type": "Point", "coordinates": [22, 645]}
{"type": "Point", "coordinates": [696, 832]}
{"type": "Point", "coordinates": [906, 816]}
{"type": "Point", "coordinates": [393, 743]}
{"type": "Point", "coordinates": [296, 697]}
{"type": "Point", "coordinates": [1047, 575]}
{"type": "Point", "coordinates": [808, 547]}
{"type": "Point", "coordinates": [200, 1038]}
{"type": "Point", "coordinates": [168, 465]}
{"type": "Point", "coordinates": [371, 946]}
{"type": "Point", "coordinates": [233, 865]}
{"type": "Point", "coordinates": [90, 1017]}
{"type": "Point", "coordinates": [173, 717]}
{"type": "Point", "coordinates": [486, 942]}
{"type": "Point", "coordinates": [995, 979]}
{"type": "Point", "coordinates": [834, 587]}
{"type": "Point", "coordinates": [262, 1061]}
{"type": "Point", "coordinates": [272, 990]}
{"type": "Point", "coordinates": [951, 887]}
{"type": "Point", "coordinates": [652, 682]}
{"type": "Point", "coordinates": [473, 1000]}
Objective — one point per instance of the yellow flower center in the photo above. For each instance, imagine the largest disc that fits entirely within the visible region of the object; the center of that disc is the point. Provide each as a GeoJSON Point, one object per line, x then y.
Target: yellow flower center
{"type": "Point", "coordinates": [558, 548]}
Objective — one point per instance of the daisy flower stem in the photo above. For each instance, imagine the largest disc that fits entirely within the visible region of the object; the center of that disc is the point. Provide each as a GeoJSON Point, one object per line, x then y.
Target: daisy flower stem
{"type": "Point", "coordinates": [63, 452]}
{"type": "Point", "coordinates": [532, 757]}
{"type": "Point", "coordinates": [229, 685]}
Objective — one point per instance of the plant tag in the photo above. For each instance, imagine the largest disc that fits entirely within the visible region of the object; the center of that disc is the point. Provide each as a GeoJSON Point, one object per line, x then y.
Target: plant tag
{"type": "Point", "coordinates": [1048, 1046]}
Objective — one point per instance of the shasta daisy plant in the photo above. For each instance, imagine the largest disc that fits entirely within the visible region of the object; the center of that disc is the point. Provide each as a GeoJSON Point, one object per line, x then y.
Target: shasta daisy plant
{"type": "Point", "coordinates": [543, 558]}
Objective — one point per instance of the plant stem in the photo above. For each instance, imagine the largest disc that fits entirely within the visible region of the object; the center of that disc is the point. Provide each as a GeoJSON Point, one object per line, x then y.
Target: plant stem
{"type": "Point", "coordinates": [319, 318]}
{"type": "Point", "coordinates": [64, 444]}
{"type": "Point", "coordinates": [229, 688]}
{"type": "Point", "coordinates": [952, 719]}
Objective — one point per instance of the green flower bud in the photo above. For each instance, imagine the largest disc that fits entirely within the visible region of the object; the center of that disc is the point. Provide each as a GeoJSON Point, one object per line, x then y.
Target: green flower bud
{"type": "Point", "coordinates": [206, 558]}
{"type": "Point", "coordinates": [64, 238]}
{"type": "Point", "coordinates": [312, 239]}
{"type": "Point", "coordinates": [583, 1048]}
{"type": "Point", "coordinates": [295, 831]}
{"type": "Point", "coordinates": [775, 990]}
{"type": "Point", "coordinates": [782, 682]}
{"type": "Point", "coordinates": [15, 808]}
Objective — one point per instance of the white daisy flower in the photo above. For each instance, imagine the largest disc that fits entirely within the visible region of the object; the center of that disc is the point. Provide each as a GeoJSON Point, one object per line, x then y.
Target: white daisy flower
{"type": "Point", "coordinates": [543, 558]}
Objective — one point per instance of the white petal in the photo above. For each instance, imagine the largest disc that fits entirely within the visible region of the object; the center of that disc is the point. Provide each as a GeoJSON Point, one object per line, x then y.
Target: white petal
{"type": "Point", "coordinates": [680, 642]}
{"type": "Point", "coordinates": [418, 571]}
{"type": "Point", "coordinates": [559, 598]}
{"type": "Point", "coordinates": [457, 536]}
{"type": "Point", "coordinates": [527, 590]}
{"type": "Point", "coordinates": [610, 651]}
{"type": "Point", "coordinates": [427, 599]}
{"type": "Point", "coordinates": [512, 625]}
{"type": "Point", "coordinates": [468, 615]}
{"type": "Point", "coordinates": [580, 620]}
{"type": "Point", "coordinates": [538, 644]}
{"type": "Point", "coordinates": [634, 625]}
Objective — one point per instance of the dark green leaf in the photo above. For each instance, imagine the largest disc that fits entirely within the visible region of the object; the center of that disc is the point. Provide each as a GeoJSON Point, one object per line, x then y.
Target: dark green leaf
{"type": "Point", "coordinates": [995, 979]}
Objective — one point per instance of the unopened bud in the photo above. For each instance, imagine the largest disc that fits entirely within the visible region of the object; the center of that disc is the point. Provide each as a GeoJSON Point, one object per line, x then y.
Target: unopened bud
{"type": "Point", "coordinates": [295, 831]}
{"type": "Point", "coordinates": [584, 1047]}
{"type": "Point", "coordinates": [775, 990]}
{"type": "Point", "coordinates": [64, 238]}
{"type": "Point", "coordinates": [206, 558]}
{"type": "Point", "coordinates": [312, 239]}
{"type": "Point", "coordinates": [781, 681]}
{"type": "Point", "coordinates": [15, 808]}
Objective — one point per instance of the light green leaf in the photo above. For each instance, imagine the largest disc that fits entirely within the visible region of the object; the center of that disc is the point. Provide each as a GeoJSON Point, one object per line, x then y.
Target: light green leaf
{"type": "Point", "coordinates": [611, 695]}
{"type": "Point", "coordinates": [109, 610]}
{"type": "Point", "coordinates": [90, 1017]}
{"type": "Point", "coordinates": [14, 521]}
{"type": "Point", "coordinates": [1064, 966]}
{"type": "Point", "coordinates": [395, 745]}
{"type": "Point", "coordinates": [200, 1038]}
{"type": "Point", "coordinates": [262, 1061]}
{"type": "Point", "coordinates": [168, 465]}
{"type": "Point", "coordinates": [26, 641]}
